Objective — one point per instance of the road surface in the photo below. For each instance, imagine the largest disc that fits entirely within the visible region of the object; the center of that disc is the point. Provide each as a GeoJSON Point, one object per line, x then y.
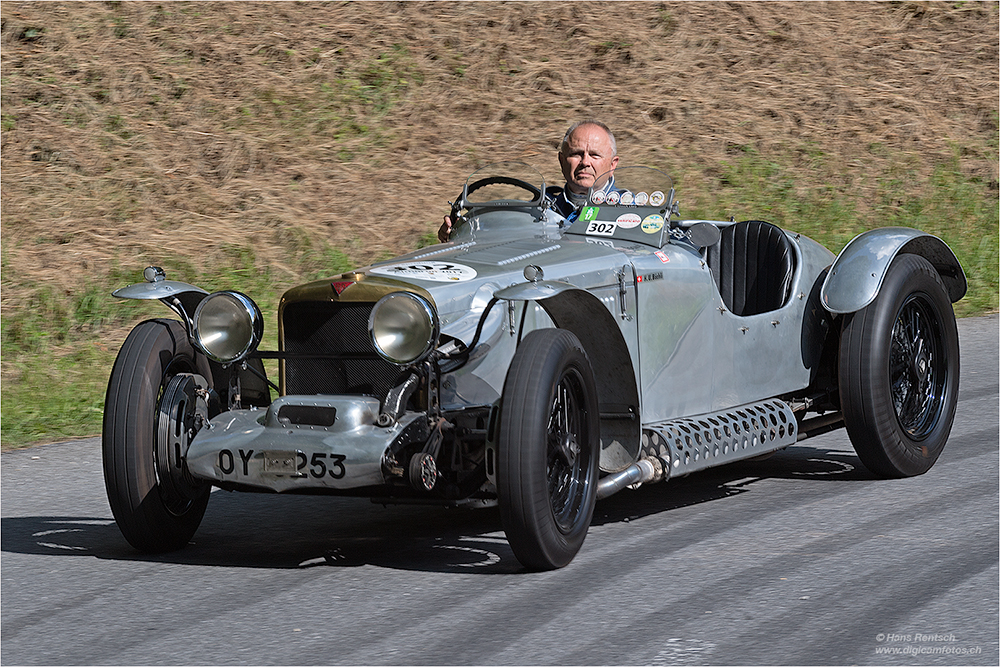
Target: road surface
{"type": "Point", "coordinates": [800, 559]}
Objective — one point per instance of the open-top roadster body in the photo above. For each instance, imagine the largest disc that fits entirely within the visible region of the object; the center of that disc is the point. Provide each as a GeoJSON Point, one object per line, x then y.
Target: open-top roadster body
{"type": "Point", "coordinates": [537, 363]}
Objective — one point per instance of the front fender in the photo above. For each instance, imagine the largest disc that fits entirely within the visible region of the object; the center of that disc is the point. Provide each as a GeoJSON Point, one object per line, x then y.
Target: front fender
{"type": "Point", "coordinates": [856, 276]}
{"type": "Point", "coordinates": [534, 291]}
{"type": "Point", "coordinates": [183, 299]}
{"type": "Point", "coordinates": [166, 291]}
{"type": "Point", "coordinates": [582, 313]}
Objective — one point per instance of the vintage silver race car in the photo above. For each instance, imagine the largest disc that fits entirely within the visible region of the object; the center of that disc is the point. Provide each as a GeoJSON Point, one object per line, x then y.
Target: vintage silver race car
{"type": "Point", "coordinates": [538, 364]}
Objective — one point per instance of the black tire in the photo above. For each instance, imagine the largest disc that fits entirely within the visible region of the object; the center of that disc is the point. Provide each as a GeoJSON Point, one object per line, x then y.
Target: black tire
{"type": "Point", "coordinates": [153, 515]}
{"type": "Point", "coordinates": [548, 449]}
{"type": "Point", "coordinates": [899, 370]}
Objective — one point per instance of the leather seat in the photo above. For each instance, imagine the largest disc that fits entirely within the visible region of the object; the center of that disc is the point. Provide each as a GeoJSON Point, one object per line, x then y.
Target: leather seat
{"type": "Point", "coordinates": [752, 264]}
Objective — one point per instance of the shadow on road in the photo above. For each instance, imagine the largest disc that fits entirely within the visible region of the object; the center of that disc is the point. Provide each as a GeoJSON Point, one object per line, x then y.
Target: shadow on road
{"type": "Point", "coordinates": [282, 531]}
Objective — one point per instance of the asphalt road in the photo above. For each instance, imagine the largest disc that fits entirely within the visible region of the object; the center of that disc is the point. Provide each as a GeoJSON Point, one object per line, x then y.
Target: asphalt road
{"type": "Point", "coordinates": [800, 559]}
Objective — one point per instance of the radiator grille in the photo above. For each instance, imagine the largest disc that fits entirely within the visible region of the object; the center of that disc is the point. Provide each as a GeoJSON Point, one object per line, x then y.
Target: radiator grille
{"type": "Point", "coordinates": [325, 328]}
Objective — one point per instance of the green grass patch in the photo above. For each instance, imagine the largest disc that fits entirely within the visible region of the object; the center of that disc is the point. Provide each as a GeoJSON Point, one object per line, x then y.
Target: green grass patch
{"type": "Point", "coordinates": [54, 396]}
{"type": "Point", "coordinates": [56, 350]}
{"type": "Point", "coordinates": [960, 210]}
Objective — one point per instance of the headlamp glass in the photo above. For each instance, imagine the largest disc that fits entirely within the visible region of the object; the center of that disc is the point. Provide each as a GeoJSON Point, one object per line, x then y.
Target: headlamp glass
{"type": "Point", "coordinates": [404, 327]}
{"type": "Point", "coordinates": [227, 326]}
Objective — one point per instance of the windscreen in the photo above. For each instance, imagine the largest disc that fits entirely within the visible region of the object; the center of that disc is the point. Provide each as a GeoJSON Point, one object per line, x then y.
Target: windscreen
{"type": "Point", "coordinates": [633, 186]}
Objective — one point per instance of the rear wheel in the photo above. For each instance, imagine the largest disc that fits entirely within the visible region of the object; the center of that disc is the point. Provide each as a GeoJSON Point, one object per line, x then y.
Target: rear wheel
{"type": "Point", "coordinates": [548, 449]}
{"type": "Point", "coordinates": [899, 371]}
{"type": "Point", "coordinates": [151, 411]}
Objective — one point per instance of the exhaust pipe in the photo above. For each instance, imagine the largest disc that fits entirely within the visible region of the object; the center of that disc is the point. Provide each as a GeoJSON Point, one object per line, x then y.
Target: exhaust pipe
{"type": "Point", "coordinates": [640, 472]}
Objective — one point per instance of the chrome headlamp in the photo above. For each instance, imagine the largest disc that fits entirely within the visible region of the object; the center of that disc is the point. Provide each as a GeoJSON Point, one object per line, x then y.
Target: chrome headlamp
{"type": "Point", "coordinates": [227, 326]}
{"type": "Point", "coordinates": [404, 327]}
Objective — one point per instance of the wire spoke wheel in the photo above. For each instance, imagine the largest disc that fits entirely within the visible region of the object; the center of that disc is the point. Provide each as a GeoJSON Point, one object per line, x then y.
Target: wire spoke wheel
{"type": "Point", "coordinates": [566, 478]}
{"type": "Point", "coordinates": [548, 449]}
{"type": "Point", "coordinates": [915, 360]}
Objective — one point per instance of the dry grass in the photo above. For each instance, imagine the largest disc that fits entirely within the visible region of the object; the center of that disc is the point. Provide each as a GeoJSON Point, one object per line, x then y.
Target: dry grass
{"type": "Point", "coordinates": [173, 129]}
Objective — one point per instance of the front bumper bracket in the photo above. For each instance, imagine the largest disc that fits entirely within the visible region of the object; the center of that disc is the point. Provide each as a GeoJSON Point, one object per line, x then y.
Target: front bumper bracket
{"type": "Point", "coordinates": [299, 442]}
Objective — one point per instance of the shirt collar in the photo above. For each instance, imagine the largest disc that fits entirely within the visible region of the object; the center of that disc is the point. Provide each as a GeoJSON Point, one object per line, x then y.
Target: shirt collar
{"type": "Point", "coordinates": [578, 200]}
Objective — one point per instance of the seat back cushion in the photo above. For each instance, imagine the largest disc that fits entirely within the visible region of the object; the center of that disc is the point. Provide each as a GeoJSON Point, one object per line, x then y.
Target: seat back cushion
{"type": "Point", "coordinates": [752, 264]}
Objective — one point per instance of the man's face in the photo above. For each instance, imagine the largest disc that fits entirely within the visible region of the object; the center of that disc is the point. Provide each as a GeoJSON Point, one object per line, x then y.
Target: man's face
{"type": "Point", "coordinates": [586, 156]}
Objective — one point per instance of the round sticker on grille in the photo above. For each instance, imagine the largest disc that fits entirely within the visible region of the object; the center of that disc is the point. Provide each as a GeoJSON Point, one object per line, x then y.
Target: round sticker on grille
{"type": "Point", "coordinates": [597, 197]}
{"type": "Point", "coordinates": [656, 199]}
{"type": "Point", "coordinates": [628, 220]}
{"type": "Point", "coordinates": [613, 197]}
{"type": "Point", "coordinates": [438, 272]}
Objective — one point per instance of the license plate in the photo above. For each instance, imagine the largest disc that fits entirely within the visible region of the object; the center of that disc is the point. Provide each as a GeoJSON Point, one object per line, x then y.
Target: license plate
{"type": "Point", "coordinates": [280, 463]}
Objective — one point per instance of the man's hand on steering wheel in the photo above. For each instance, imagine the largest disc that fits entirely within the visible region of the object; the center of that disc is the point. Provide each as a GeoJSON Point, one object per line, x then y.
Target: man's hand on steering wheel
{"type": "Point", "coordinates": [444, 232]}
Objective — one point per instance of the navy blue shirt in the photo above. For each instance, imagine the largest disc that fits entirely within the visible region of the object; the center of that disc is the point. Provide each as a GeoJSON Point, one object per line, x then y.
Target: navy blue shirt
{"type": "Point", "coordinates": [560, 202]}
{"type": "Point", "coordinates": [565, 206]}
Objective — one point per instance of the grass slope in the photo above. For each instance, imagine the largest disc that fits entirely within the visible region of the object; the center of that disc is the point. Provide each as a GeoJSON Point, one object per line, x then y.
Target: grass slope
{"type": "Point", "coordinates": [258, 145]}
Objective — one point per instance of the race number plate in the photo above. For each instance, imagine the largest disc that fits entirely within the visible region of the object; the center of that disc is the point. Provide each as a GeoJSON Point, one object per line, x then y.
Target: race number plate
{"type": "Point", "coordinates": [597, 228]}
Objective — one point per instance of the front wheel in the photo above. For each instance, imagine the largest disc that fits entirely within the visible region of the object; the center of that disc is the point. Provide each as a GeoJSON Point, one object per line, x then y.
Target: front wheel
{"type": "Point", "coordinates": [899, 371]}
{"type": "Point", "coordinates": [548, 449]}
{"type": "Point", "coordinates": [151, 411]}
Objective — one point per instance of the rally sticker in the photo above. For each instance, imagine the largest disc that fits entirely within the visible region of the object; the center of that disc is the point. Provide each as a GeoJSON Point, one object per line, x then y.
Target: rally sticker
{"type": "Point", "coordinates": [438, 272]}
{"type": "Point", "coordinates": [657, 198]}
{"type": "Point", "coordinates": [614, 197]}
{"type": "Point", "coordinates": [662, 255]}
{"type": "Point", "coordinates": [628, 220]}
{"type": "Point", "coordinates": [588, 213]}
{"type": "Point", "coordinates": [641, 198]}
{"type": "Point", "coordinates": [601, 228]}
{"type": "Point", "coordinates": [597, 197]}
{"type": "Point", "coordinates": [652, 223]}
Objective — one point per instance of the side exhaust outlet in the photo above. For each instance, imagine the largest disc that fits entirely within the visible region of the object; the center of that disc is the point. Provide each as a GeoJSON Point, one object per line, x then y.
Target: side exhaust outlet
{"type": "Point", "coordinates": [641, 472]}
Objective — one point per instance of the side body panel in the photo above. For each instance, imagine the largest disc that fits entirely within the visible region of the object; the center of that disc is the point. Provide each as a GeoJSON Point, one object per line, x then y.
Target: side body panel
{"type": "Point", "coordinates": [773, 353]}
{"type": "Point", "coordinates": [677, 323]}
{"type": "Point", "coordinates": [698, 357]}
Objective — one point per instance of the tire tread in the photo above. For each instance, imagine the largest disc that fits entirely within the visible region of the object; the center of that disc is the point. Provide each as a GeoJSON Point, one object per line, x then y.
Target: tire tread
{"type": "Point", "coordinates": [881, 444]}
{"type": "Point", "coordinates": [128, 439]}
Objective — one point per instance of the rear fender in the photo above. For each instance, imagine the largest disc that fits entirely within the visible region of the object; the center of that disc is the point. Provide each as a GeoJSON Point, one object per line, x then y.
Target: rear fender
{"type": "Point", "coordinates": [856, 276]}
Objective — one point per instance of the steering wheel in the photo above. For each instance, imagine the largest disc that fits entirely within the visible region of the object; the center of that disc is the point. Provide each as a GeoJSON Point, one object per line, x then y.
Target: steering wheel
{"type": "Point", "coordinates": [461, 202]}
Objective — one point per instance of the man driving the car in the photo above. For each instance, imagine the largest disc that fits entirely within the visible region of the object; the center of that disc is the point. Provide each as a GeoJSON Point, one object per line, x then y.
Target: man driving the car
{"type": "Point", "coordinates": [587, 151]}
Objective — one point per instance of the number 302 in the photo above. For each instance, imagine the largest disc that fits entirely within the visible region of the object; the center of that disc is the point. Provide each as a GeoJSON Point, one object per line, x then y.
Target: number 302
{"type": "Point", "coordinates": [601, 228]}
{"type": "Point", "coordinates": [317, 465]}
